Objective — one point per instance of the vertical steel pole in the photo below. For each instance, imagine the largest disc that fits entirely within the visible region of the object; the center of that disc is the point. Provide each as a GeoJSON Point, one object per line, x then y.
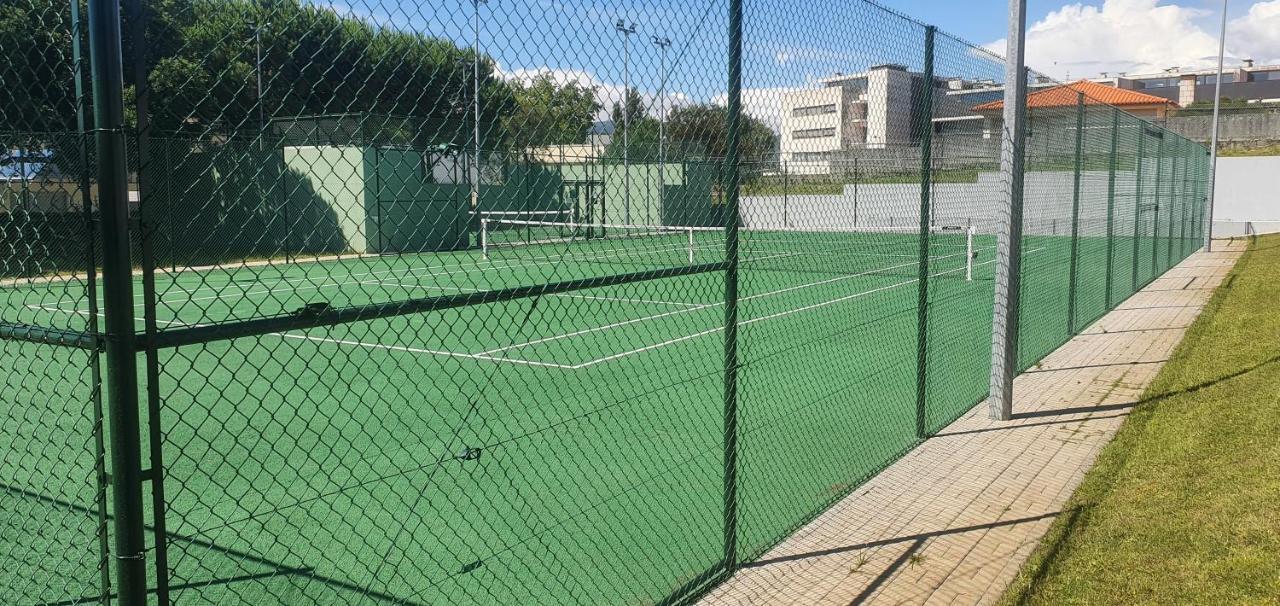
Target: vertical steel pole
{"type": "Point", "coordinates": [1073, 271]}
{"type": "Point", "coordinates": [925, 126]}
{"type": "Point", "coordinates": [1137, 203]}
{"type": "Point", "coordinates": [137, 13]}
{"type": "Point", "coordinates": [475, 101]}
{"type": "Point", "coordinates": [117, 291]}
{"type": "Point", "coordinates": [91, 290]}
{"type": "Point", "coordinates": [1004, 329]}
{"type": "Point", "coordinates": [1160, 181]}
{"type": "Point", "coordinates": [1111, 205]}
{"type": "Point", "coordinates": [733, 121]}
{"type": "Point", "coordinates": [1213, 138]}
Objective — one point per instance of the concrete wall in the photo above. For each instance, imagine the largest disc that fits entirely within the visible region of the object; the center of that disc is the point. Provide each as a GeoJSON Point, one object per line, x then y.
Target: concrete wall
{"type": "Point", "coordinates": [1246, 192]}
{"type": "Point", "coordinates": [1236, 130]}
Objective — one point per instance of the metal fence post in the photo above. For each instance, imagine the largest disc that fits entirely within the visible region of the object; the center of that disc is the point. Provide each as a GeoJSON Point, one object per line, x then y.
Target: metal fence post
{"type": "Point", "coordinates": [1137, 203]}
{"type": "Point", "coordinates": [925, 124]}
{"type": "Point", "coordinates": [117, 290]}
{"type": "Point", "coordinates": [1075, 219]}
{"type": "Point", "coordinates": [1004, 333]}
{"type": "Point", "coordinates": [733, 121]}
{"type": "Point", "coordinates": [91, 321]}
{"type": "Point", "coordinates": [1155, 212]}
{"type": "Point", "coordinates": [1111, 205]}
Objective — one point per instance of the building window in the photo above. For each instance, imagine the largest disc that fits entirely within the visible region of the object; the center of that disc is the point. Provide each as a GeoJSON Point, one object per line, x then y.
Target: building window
{"type": "Point", "coordinates": [1263, 76]}
{"type": "Point", "coordinates": [814, 110]}
{"type": "Point", "coordinates": [810, 156]}
{"type": "Point", "coordinates": [1157, 83]}
{"type": "Point", "coordinates": [814, 133]}
{"type": "Point", "coordinates": [1226, 79]}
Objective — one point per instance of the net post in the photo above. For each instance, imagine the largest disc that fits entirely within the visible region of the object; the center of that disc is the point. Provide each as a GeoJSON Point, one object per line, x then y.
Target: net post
{"type": "Point", "coordinates": [925, 124]}
{"type": "Point", "coordinates": [733, 120]}
{"type": "Point", "coordinates": [117, 290]}
{"type": "Point", "coordinates": [484, 238]}
{"type": "Point", "coordinates": [1074, 270]}
{"type": "Point", "coordinates": [1111, 204]}
{"type": "Point", "coordinates": [1004, 329]}
{"type": "Point", "coordinates": [691, 246]}
{"type": "Point", "coordinates": [969, 253]}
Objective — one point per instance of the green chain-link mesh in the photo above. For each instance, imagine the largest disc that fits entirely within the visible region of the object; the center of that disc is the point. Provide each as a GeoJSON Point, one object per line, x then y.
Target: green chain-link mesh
{"type": "Point", "coordinates": [430, 299]}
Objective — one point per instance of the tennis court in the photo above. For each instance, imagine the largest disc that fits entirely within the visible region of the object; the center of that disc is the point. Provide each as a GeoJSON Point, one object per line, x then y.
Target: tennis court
{"type": "Point", "coordinates": [570, 421]}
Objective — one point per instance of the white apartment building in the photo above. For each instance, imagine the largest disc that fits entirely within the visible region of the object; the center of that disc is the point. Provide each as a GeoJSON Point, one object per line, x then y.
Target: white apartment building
{"type": "Point", "coordinates": [871, 110]}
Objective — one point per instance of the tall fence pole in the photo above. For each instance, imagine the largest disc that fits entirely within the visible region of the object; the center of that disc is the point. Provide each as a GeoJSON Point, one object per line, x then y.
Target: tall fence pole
{"type": "Point", "coordinates": [925, 124]}
{"type": "Point", "coordinates": [1213, 136]}
{"type": "Point", "coordinates": [1004, 328]}
{"type": "Point", "coordinates": [1155, 211]}
{"type": "Point", "coordinates": [1137, 203]}
{"type": "Point", "coordinates": [1111, 204]}
{"type": "Point", "coordinates": [733, 121]}
{"type": "Point", "coordinates": [1074, 270]}
{"type": "Point", "coordinates": [117, 293]}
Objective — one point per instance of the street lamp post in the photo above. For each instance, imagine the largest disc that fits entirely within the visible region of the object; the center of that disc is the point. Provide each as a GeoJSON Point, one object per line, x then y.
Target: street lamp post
{"type": "Point", "coordinates": [626, 31]}
{"type": "Point", "coordinates": [663, 43]}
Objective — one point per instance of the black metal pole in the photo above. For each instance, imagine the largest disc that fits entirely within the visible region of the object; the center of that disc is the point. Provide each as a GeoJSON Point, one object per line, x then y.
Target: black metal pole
{"type": "Point", "coordinates": [1111, 204]}
{"type": "Point", "coordinates": [91, 325]}
{"type": "Point", "coordinates": [925, 126]}
{"type": "Point", "coordinates": [117, 290]}
{"type": "Point", "coordinates": [1137, 203]}
{"type": "Point", "coordinates": [1155, 233]}
{"type": "Point", "coordinates": [733, 121]}
{"type": "Point", "coordinates": [1075, 218]}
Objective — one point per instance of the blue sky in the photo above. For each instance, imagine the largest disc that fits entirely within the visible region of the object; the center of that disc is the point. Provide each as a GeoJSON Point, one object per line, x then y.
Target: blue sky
{"type": "Point", "coordinates": [793, 43]}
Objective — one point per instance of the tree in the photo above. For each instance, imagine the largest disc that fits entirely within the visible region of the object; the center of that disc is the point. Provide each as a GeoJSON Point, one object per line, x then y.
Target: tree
{"type": "Point", "coordinates": [701, 131]}
{"type": "Point", "coordinates": [633, 112]}
{"type": "Point", "coordinates": [547, 113]}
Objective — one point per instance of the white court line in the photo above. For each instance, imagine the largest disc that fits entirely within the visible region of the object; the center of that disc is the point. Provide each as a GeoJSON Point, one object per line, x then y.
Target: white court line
{"type": "Point", "coordinates": [703, 306]}
{"type": "Point", "coordinates": [559, 294]}
{"type": "Point", "coordinates": [451, 354]}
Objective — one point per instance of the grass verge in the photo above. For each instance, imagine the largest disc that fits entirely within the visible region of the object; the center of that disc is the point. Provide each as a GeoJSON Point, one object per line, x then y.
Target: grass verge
{"type": "Point", "coordinates": [1181, 506]}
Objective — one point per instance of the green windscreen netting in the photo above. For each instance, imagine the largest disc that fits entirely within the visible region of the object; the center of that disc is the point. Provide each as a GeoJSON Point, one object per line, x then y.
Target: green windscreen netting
{"type": "Point", "coordinates": [504, 302]}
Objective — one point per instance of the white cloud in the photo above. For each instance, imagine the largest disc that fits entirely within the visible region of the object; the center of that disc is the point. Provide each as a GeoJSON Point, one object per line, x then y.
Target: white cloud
{"type": "Point", "coordinates": [1257, 34]}
{"type": "Point", "coordinates": [1080, 41]}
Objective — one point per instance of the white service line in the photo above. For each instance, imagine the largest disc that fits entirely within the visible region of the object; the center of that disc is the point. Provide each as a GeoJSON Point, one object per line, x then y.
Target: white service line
{"type": "Point", "coordinates": [451, 354]}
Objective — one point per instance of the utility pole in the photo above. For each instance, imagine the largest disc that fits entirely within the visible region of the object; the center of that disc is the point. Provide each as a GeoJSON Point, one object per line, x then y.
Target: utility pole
{"type": "Point", "coordinates": [663, 43]}
{"type": "Point", "coordinates": [626, 31]}
{"type": "Point", "coordinates": [1213, 139]}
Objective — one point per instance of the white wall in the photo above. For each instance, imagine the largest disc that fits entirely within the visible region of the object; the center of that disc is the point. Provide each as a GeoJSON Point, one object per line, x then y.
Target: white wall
{"type": "Point", "coordinates": [1247, 190]}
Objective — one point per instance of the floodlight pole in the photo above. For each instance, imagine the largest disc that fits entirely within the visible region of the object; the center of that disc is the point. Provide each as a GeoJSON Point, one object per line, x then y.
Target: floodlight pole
{"type": "Point", "coordinates": [475, 100]}
{"type": "Point", "coordinates": [1213, 139]}
{"type": "Point", "coordinates": [626, 31]}
{"type": "Point", "coordinates": [663, 43]}
{"type": "Point", "coordinates": [1004, 329]}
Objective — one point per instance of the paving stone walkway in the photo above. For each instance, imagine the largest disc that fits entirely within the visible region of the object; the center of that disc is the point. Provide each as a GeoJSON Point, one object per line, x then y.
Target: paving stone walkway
{"type": "Point", "coordinates": [952, 522]}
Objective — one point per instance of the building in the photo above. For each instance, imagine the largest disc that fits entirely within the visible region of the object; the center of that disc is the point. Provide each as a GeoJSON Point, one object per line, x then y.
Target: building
{"type": "Point", "coordinates": [1249, 82]}
{"type": "Point", "coordinates": [1066, 96]}
{"type": "Point", "coordinates": [872, 110]}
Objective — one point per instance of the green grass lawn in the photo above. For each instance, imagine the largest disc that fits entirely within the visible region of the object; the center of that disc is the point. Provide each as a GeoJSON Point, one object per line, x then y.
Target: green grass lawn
{"type": "Point", "coordinates": [1180, 508]}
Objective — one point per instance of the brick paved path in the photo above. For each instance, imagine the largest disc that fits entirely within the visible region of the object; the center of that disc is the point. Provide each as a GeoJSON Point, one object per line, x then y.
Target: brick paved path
{"type": "Point", "coordinates": [952, 522]}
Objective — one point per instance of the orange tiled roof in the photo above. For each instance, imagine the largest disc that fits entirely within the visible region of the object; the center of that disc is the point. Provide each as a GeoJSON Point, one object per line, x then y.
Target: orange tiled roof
{"type": "Point", "coordinates": [1094, 94]}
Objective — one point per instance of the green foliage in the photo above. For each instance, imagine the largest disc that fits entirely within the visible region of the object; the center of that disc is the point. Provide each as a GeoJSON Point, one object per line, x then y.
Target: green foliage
{"type": "Point", "coordinates": [547, 113]}
{"type": "Point", "coordinates": [694, 132]}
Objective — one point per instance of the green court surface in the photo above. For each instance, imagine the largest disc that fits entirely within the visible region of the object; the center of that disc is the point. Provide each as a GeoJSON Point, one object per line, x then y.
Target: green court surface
{"type": "Point", "coordinates": [479, 450]}
{"type": "Point", "coordinates": [472, 454]}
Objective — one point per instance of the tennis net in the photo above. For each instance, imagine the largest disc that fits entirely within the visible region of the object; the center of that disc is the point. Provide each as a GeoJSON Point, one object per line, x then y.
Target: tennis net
{"type": "Point", "coordinates": [868, 250]}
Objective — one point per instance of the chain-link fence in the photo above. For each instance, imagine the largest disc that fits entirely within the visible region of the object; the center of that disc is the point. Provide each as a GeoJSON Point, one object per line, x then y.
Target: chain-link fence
{"type": "Point", "coordinates": [510, 302]}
